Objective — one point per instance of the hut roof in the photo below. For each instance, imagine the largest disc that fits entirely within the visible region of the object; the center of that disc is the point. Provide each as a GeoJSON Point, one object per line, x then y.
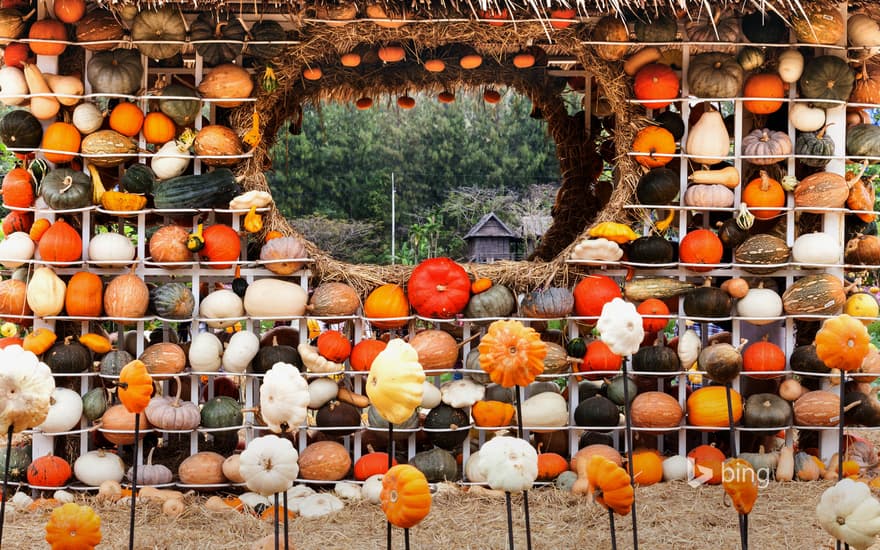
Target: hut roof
{"type": "Point", "coordinates": [485, 229]}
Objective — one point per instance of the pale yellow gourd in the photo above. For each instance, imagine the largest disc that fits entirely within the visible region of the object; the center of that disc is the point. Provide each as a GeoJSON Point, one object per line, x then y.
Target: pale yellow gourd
{"type": "Point", "coordinates": [69, 88]}
{"type": "Point", "coordinates": [43, 107]}
{"type": "Point", "coordinates": [785, 464]}
{"type": "Point", "coordinates": [728, 177]}
{"type": "Point", "coordinates": [708, 141]}
{"type": "Point", "coordinates": [395, 382]}
{"type": "Point", "coordinates": [45, 292]}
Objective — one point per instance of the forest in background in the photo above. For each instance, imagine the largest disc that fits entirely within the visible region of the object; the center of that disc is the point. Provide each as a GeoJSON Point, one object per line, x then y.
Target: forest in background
{"type": "Point", "coordinates": [452, 163]}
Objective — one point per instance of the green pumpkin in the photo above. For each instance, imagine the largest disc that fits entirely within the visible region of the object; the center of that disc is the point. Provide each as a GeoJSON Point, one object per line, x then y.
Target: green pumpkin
{"type": "Point", "coordinates": [549, 303]}
{"type": "Point", "coordinates": [437, 465]}
{"type": "Point", "coordinates": [814, 144]}
{"type": "Point", "coordinates": [766, 410]}
{"type": "Point", "coordinates": [805, 359]}
{"type": "Point", "coordinates": [184, 112]}
{"type": "Point", "coordinates": [673, 122]}
{"type": "Point", "coordinates": [496, 301]}
{"type": "Point", "coordinates": [707, 301]}
{"type": "Point", "coordinates": [827, 77]}
{"type": "Point", "coordinates": [338, 414]}
{"type": "Point", "coordinates": [614, 389]}
{"type": "Point", "coordinates": [66, 189]}
{"type": "Point", "coordinates": [172, 301]}
{"type": "Point", "coordinates": [163, 24]}
{"type": "Point", "coordinates": [95, 402]}
{"type": "Point", "coordinates": [113, 361]}
{"type": "Point", "coordinates": [207, 27]}
{"type": "Point", "coordinates": [19, 129]}
{"type": "Point", "coordinates": [138, 178]}
{"type": "Point", "coordinates": [660, 29]}
{"type": "Point", "coordinates": [656, 358]}
{"type": "Point", "coordinates": [658, 186]}
{"type": "Point", "coordinates": [751, 58]}
{"type": "Point", "coordinates": [116, 71]}
{"type": "Point", "coordinates": [19, 460]}
{"type": "Point", "coordinates": [269, 355]}
{"type": "Point", "coordinates": [270, 32]}
{"type": "Point", "coordinates": [597, 411]}
{"type": "Point", "coordinates": [862, 140]}
{"type": "Point", "coordinates": [449, 419]}
{"type": "Point", "coordinates": [576, 347]}
{"type": "Point", "coordinates": [376, 422]}
{"type": "Point", "coordinates": [221, 412]}
{"type": "Point", "coordinates": [652, 249]}
{"type": "Point", "coordinates": [68, 357]}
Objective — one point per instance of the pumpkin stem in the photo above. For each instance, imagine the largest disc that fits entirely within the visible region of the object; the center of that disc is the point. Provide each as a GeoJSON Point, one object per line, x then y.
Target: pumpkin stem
{"type": "Point", "coordinates": [821, 133]}
{"type": "Point", "coordinates": [67, 184]}
{"type": "Point", "coordinates": [707, 282]}
{"type": "Point", "coordinates": [765, 135]}
{"type": "Point", "coordinates": [857, 175]}
{"type": "Point", "coordinates": [150, 456]}
{"type": "Point", "coordinates": [742, 344]}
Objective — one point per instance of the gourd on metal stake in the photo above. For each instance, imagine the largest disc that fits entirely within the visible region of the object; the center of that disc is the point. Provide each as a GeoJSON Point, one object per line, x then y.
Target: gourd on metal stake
{"type": "Point", "coordinates": [134, 389]}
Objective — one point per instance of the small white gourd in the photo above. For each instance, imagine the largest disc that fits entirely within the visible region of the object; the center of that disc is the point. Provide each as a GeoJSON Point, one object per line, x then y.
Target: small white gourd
{"type": "Point", "coordinates": [816, 248]}
{"type": "Point", "coordinates": [805, 117]}
{"type": "Point", "coordinates": [65, 411]}
{"type": "Point", "coordinates": [223, 308]}
{"type": "Point", "coordinates": [676, 468]}
{"type": "Point", "coordinates": [87, 118]}
{"type": "Point", "coordinates": [170, 160]}
{"type": "Point", "coordinates": [240, 351]}
{"type": "Point", "coordinates": [760, 302]}
{"type": "Point", "coordinates": [545, 410]}
{"type": "Point", "coordinates": [372, 489]}
{"type": "Point", "coordinates": [321, 391]}
{"type": "Point", "coordinates": [205, 352]}
{"type": "Point", "coordinates": [112, 248]}
{"type": "Point", "coordinates": [95, 467]}
{"type": "Point", "coordinates": [16, 249]}
{"type": "Point", "coordinates": [791, 65]}
{"type": "Point", "coordinates": [431, 395]}
{"type": "Point", "coordinates": [13, 86]}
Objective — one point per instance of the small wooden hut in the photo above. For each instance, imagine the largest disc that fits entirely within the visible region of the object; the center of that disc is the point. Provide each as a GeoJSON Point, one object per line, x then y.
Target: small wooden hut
{"type": "Point", "coordinates": [490, 240]}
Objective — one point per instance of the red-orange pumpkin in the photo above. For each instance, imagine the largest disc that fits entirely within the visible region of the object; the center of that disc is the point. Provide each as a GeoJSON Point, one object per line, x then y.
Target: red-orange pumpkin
{"type": "Point", "coordinates": [439, 288]}
{"type": "Point", "coordinates": [85, 295]}
{"type": "Point", "coordinates": [60, 243]}
{"type": "Point", "coordinates": [763, 85]}
{"type": "Point", "coordinates": [763, 356]}
{"type": "Point", "coordinates": [69, 11]}
{"type": "Point", "coordinates": [599, 357]}
{"type": "Point", "coordinates": [701, 246]}
{"type": "Point", "coordinates": [17, 220]}
{"type": "Point", "coordinates": [363, 353]}
{"type": "Point", "coordinates": [387, 302]}
{"type": "Point", "coordinates": [62, 141]}
{"type": "Point", "coordinates": [48, 29]}
{"type": "Point", "coordinates": [49, 471]}
{"type": "Point", "coordinates": [333, 345]}
{"type": "Point", "coordinates": [655, 144]}
{"type": "Point", "coordinates": [550, 465]}
{"type": "Point", "coordinates": [656, 82]}
{"type": "Point", "coordinates": [707, 457]}
{"type": "Point", "coordinates": [653, 306]}
{"type": "Point", "coordinates": [371, 464]}
{"type": "Point", "coordinates": [16, 54]}
{"type": "Point", "coordinates": [592, 293]}
{"type": "Point", "coordinates": [18, 191]}
{"type": "Point", "coordinates": [222, 244]}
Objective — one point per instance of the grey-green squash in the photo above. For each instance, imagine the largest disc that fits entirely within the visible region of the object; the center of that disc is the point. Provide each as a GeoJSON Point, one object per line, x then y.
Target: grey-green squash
{"type": "Point", "coordinates": [496, 301]}
{"type": "Point", "coordinates": [66, 189]}
{"type": "Point", "coordinates": [221, 412]}
{"type": "Point", "coordinates": [172, 301]}
{"type": "Point", "coordinates": [437, 465]}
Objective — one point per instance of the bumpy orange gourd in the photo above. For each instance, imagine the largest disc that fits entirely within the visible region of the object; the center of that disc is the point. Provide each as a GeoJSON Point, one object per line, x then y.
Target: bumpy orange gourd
{"type": "Point", "coordinates": [96, 342]}
{"type": "Point", "coordinates": [135, 387]}
{"type": "Point", "coordinates": [842, 343]}
{"type": "Point", "coordinates": [39, 341]}
{"type": "Point", "coordinates": [740, 482]}
{"type": "Point", "coordinates": [512, 354]}
{"type": "Point", "coordinates": [651, 141]}
{"type": "Point", "coordinates": [609, 484]}
{"type": "Point", "coordinates": [481, 285]}
{"type": "Point", "coordinates": [73, 527]}
{"type": "Point", "coordinates": [492, 414]}
{"type": "Point", "coordinates": [406, 497]}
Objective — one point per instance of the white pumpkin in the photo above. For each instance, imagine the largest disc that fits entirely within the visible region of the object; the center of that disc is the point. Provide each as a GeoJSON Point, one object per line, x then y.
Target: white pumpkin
{"type": "Point", "coordinates": [275, 298]}
{"type": "Point", "coordinates": [284, 398]}
{"type": "Point", "coordinates": [319, 505]}
{"type": "Point", "coordinates": [240, 351]}
{"type": "Point", "coordinates": [431, 395]}
{"type": "Point", "coordinates": [96, 467]}
{"type": "Point", "coordinates": [372, 489]}
{"type": "Point", "coordinates": [269, 465]}
{"type": "Point", "coordinates": [708, 141]}
{"type": "Point", "coordinates": [21, 500]}
{"type": "Point", "coordinates": [689, 347]}
{"type": "Point", "coordinates": [805, 117]}
{"type": "Point", "coordinates": [253, 500]}
{"type": "Point", "coordinates": [472, 469]}
{"type": "Point", "coordinates": [87, 118]}
{"type": "Point", "coordinates": [760, 302]}
{"type": "Point", "coordinates": [63, 496]}
{"type": "Point", "coordinates": [112, 248]}
{"type": "Point", "coordinates": [45, 292]}
{"type": "Point", "coordinates": [348, 490]}
{"type": "Point", "coordinates": [791, 65]}
{"type": "Point", "coordinates": [13, 86]}
{"type": "Point", "coordinates": [545, 410]}
{"type": "Point", "coordinates": [297, 494]}
{"type": "Point", "coordinates": [322, 391]}
{"type": "Point", "coordinates": [26, 386]}
{"type": "Point", "coordinates": [620, 327]}
{"type": "Point", "coordinates": [16, 249]}
{"type": "Point", "coordinates": [816, 248]}
{"type": "Point", "coordinates": [850, 513]}
{"type": "Point", "coordinates": [676, 468]}
{"type": "Point", "coordinates": [170, 160]}
{"type": "Point", "coordinates": [462, 393]}
{"type": "Point", "coordinates": [862, 31]}
{"type": "Point", "coordinates": [222, 307]}
{"type": "Point", "coordinates": [509, 464]}
{"type": "Point", "coordinates": [65, 412]}
{"type": "Point", "coordinates": [205, 352]}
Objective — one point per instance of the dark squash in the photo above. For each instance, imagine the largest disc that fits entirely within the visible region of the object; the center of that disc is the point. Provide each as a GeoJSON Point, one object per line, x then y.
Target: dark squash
{"type": "Point", "coordinates": [613, 389]}
{"type": "Point", "coordinates": [731, 234]}
{"type": "Point", "coordinates": [211, 190]}
{"type": "Point", "coordinates": [707, 301]}
{"type": "Point", "coordinates": [656, 358]}
{"type": "Point", "coordinates": [814, 294]}
{"type": "Point", "coordinates": [451, 421]}
{"type": "Point", "coordinates": [814, 144]}
{"type": "Point", "coordinates": [221, 412]}
{"type": "Point", "coordinates": [496, 301]}
{"type": "Point", "coordinates": [597, 411]}
{"type": "Point", "coordinates": [658, 186]}
{"type": "Point", "coordinates": [652, 249]}
{"type": "Point", "coordinates": [269, 355]}
{"type": "Point", "coordinates": [172, 301]}
{"type": "Point", "coordinates": [113, 361]}
{"type": "Point", "coordinates": [650, 27]}
{"type": "Point", "coordinates": [67, 357]}
{"type": "Point", "coordinates": [19, 129]}
{"type": "Point", "coordinates": [764, 27]}
{"type": "Point", "coordinates": [763, 249]}
{"type": "Point", "coordinates": [804, 359]}
{"type": "Point", "coordinates": [95, 402]}
{"type": "Point", "coordinates": [182, 111]}
{"type": "Point", "coordinates": [766, 410]}
{"type": "Point", "coordinates": [19, 460]}
{"type": "Point", "coordinates": [270, 32]}
{"type": "Point", "coordinates": [66, 189]}
{"type": "Point", "coordinates": [862, 140]}
{"type": "Point", "coordinates": [402, 430]}
{"type": "Point", "coordinates": [827, 77]}
{"type": "Point", "coordinates": [550, 303]}
{"type": "Point", "coordinates": [722, 362]}
{"type": "Point", "coordinates": [138, 178]}
{"type": "Point", "coordinates": [338, 414]}
{"type": "Point", "coordinates": [209, 28]}
{"type": "Point", "coordinates": [437, 465]}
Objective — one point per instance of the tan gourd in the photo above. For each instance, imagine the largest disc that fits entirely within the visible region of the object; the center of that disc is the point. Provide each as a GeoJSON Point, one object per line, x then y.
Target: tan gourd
{"type": "Point", "coordinates": [45, 292]}
{"type": "Point", "coordinates": [708, 141]}
{"type": "Point", "coordinates": [65, 86]}
{"type": "Point", "coordinates": [785, 465]}
{"type": "Point", "coordinates": [728, 177]}
{"type": "Point", "coordinates": [636, 61]}
{"type": "Point", "coordinates": [42, 107]}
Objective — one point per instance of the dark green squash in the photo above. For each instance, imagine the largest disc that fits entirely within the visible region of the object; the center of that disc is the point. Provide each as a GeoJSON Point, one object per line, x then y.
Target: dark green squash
{"type": "Point", "coordinates": [655, 358]}
{"type": "Point", "coordinates": [731, 234]}
{"type": "Point", "coordinates": [162, 24]}
{"type": "Point", "coordinates": [707, 301]}
{"type": "Point", "coordinates": [38, 169]}
{"type": "Point", "coordinates": [172, 301]}
{"type": "Point", "coordinates": [650, 27]}
{"type": "Point", "coordinates": [721, 362]}
{"type": "Point", "coordinates": [113, 361]}
{"type": "Point", "coordinates": [138, 178]}
{"type": "Point", "coordinates": [828, 78]}
{"type": "Point", "coordinates": [95, 402]}
{"type": "Point", "coordinates": [652, 249]}
{"type": "Point", "coordinates": [402, 430]}
{"type": "Point", "coordinates": [208, 27]}
{"type": "Point", "coordinates": [211, 190]}
{"type": "Point", "coordinates": [766, 410]}
{"type": "Point", "coordinates": [496, 301]}
{"type": "Point", "coordinates": [239, 283]}
{"type": "Point", "coordinates": [816, 144]}
{"type": "Point", "coordinates": [595, 438]}
{"type": "Point", "coordinates": [597, 411]}
{"type": "Point", "coordinates": [658, 186]}
{"type": "Point", "coordinates": [437, 465]}
{"type": "Point", "coordinates": [576, 347]}
{"type": "Point", "coordinates": [764, 27]}
{"type": "Point", "coordinates": [862, 140]}
{"type": "Point", "coordinates": [184, 112]}
{"type": "Point", "coordinates": [614, 389]}
{"type": "Point", "coordinates": [19, 129]}
{"type": "Point", "coordinates": [118, 71]}
{"type": "Point", "coordinates": [804, 359]}
{"type": "Point", "coordinates": [270, 32]}
{"type": "Point", "coordinates": [588, 388]}
{"type": "Point", "coordinates": [66, 189]}
{"type": "Point", "coordinates": [267, 356]}
{"type": "Point", "coordinates": [549, 303]}
{"type": "Point", "coordinates": [673, 122]}
{"type": "Point", "coordinates": [451, 421]}
{"type": "Point", "coordinates": [338, 414]}
{"type": "Point", "coordinates": [221, 412]}
{"type": "Point", "coordinates": [862, 409]}
{"type": "Point", "coordinates": [497, 392]}
{"type": "Point", "coordinates": [67, 357]}
{"type": "Point", "coordinates": [19, 460]}
{"type": "Point", "coordinates": [751, 58]}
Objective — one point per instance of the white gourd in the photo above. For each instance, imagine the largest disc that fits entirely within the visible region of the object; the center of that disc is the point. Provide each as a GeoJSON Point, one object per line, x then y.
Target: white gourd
{"type": "Point", "coordinates": [269, 465]}
{"type": "Point", "coordinates": [96, 467]}
{"type": "Point", "coordinates": [372, 489]}
{"type": "Point", "coordinates": [284, 398]}
{"type": "Point", "coordinates": [322, 391]}
{"type": "Point", "coordinates": [13, 86]}
{"type": "Point", "coordinates": [64, 412]}
{"type": "Point", "coordinates": [689, 347]}
{"type": "Point", "coordinates": [708, 141]}
{"type": "Point", "coordinates": [267, 298]}
{"type": "Point", "coordinates": [431, 395]}
{"type": "Point", "coordinates": [223, 307]}
{"type": "Point", "coordinates": [472, 469]}
{"type": "Point", "coordinates": [816, 248]}
{"type": "Point", "coordinates": [791, 65]}
{"type": "Point", "coordinates": [760, 302]}
{"type": "Point", "coordinates": [805, 117]}
{"type": "Point", "coordinates": [545, 410]}
{"type": "Point", "coordinates": [169, 161]}
{"type": "Point", "coordinates": [240, 351]}
{"type": "Point", "coordinates": [87, 118]}
{"type": "Point", "coordinates": [16, 249]}
{"type": "Point", "coordinates": [205, 352]}
{"type": "Point", "coordinates": [112, 248]}
{"type": "Point", "coordinates": [677, 467]}
{"type": "Point", "coordinates": [862, 31]}
{"type": "Point", "coordinates": [45, 292]}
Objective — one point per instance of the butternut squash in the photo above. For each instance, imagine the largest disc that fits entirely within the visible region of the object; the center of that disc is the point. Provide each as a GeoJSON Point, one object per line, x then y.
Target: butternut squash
{"type": "Point", "coordinates": [785, 465]}
{"type": "Point", "coordinates": [70, 88]}
{"type": "Point", "coordinates": [728, 177]}
{"type": "Point", "coordinates": [42, 107]}
{"type": "Point", "coordinates": [636, 61]}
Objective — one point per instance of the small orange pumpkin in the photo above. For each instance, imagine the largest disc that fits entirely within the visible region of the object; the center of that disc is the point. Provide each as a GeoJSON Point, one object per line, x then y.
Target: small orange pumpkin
{"type": "Point", "coordinates": [512, 353]}
{"type": "Point", "coordinates": [135, 387]}
{"type": "Point", "coordinates": [371, 464]}
{"type": "Point", "coordinates": [740, 482]}
{"type": "Point", "coordinates": [764, 192]}
{"type": "Point", "coordinates": [708, 457]}
{"type": "Point", "coordinates": [127, 119]}
{"type": "Point", "coordinates": [700, 247]}
{"type": "Point", "coordinates": [363, 353]}
{"type": "Point", "coordinates": [651, 141]}
{"type": "Point", "coordinates": [481, 285]}
{"type": "Point", "coordinates": [48, 29]}
{"type": "Point", "coordinates": [406, 497]}
{"type": "Point", "coordinates": [39, 228]}
{"type": "Point", "coordinates": [39, 341]}
{"type": "Point", "coordinates": [550, 465]}
{"type": "Point", "coordinates": [842, 343]}
{"type": "Point", "coordinates": [387, 302]}
{"type": "Point", "coordinates": [62, 139]}
{"type": "Point", "coordinates": [158, 128]}
{"type": "Point", "coordinates": [49, 471]}
{"type": "Point", "coordinates": [72, 526]}
{"type": "Point", "coordinates": [492, 414]}
{"type": "Point", "coordinates": [763, 85]}
{"type": "Point", "coordinates": [708, 406]}
{"type": "Point", "coordinates": [646, 467]}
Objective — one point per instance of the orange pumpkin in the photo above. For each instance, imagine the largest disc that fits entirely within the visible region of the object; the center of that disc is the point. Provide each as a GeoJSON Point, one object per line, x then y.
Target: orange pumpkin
{"type": "Point", "coordinates": [524, 61]}
{"type": "Point", "coordinates": [651, 141]}
{"type": "Point", "coordinates": [646, 467]}
{"type": "Point", "coordinates": [61, 142]}
{"type": "Point", "coordinates": [47, 29]}
{"type": "Point", "coordinates": [550, 465]}
{"type": "Point", "coordinates": [708, 406]}
{"type": "Point", "coordinates": [406, 497]}
{"type": "Point", "coordinates": [371, 464]}
{"type": "Point", "coordinates": [434, 65]}
{"type": "Point", "coordinates": [653, 307]}
{"type": "Point", "coordinates": [861, 197]}
{"type": "Point", "coordinates": [350, 59]}
{"type": "Point", "coordinates": [69, 11]}
{"type": "Point", "coordinates": [708, 457]}
{"type": "Point", "coordinates": [222, 244]}
{"type": "Point", "coordinates": [17, 220]}
{"type": "Point", "coordinates": [18, 189]}
{"type": "Point", "coordinates": [387, 302]}
{"type": "Point", "coordinates": [16, 54]}
{"type": "Point", "coordinates": [481, 285]}
{"type": "Point", "coordinates": [13, 301]}
{"type": "Point", "coordinates": [446, 97]}
{"type": "Point", "coordinates": [363, 353]}
{"type": "Point", "coordinates": [85, 295]}
{"type": "Point", "coordinates": [127, 119]}
{"type": "Point", "coordinates": [656, 81]}
{"type": "Point", "coordinates": [312, 73]}
{"type": "Point", "coordinates": [48, 471]}
{"type": "Point", "coordinates": [492, 414]}
{"type": "Point", "coordinates": [512, 353]}
{"type": "Point", "coordinates": [609, 485]}
{"type": "Point", "coordinates": [764, 192]}
{"type": "Point", "coordinates": [763, 85]}
{"type": "Point", "coordinates": [158, 128]}
{"type": "Point", "coordinates": [38, 229]}
{"type": "Point", "coordinates": [73, 526]}
{"type": "Point", "coordinates": [741, 484]}
{"type": "Point", "coordinates": [333, 345]}
{"type": "Point", "coordinates": [700, 247]}
{"type": "Point", "coordinates": [842, 343]}
{"type": "Point", "coordinates": [135, 387]}
{"type": "Point", "coordinates": [438, 288]}
{"type": "Point", "coordinates": [392, 53]}
{"type": "Point", "coordinates": [60, 243]}
{"type": "Point", "coordinates": [599, 357]}
{"type": "Point", "coordinates": [763, 356]}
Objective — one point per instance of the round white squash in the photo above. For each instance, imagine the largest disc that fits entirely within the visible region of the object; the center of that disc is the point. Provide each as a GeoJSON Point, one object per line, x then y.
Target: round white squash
{"type": "Point", "coordinates": [760, 302]}
{"type": "Point", "coordinates": [169, 161]}
{"type": "Point", "coordinates": [205, 352]}
{"type": "Point", "coordinates": [372, 489]}
{"type": "Point", "coordinates": [65, 411]}
{"type": "Point", "coordinates": [112, 248]}
{"type": "Point", "coordinates": [676, 468]}
{"type": "Point", "coordinates": [16, 249]}
{"type": "Point", "coordinates": [472, 469]}
{"type": "Point", "coordinates": [791, 65]}
{"type": "Point", "coordinates": [862, 31]}
{"type": "Point", "coordinates": [223, 307]}
{"type": "Point", "coordinates": [816, 248]}
{"type": "Point", "coordinates": [87, 118]}
{"type": "Point", "coordinates": [545, 410]}
{"type": "Point", "coordinates": [805, 117]}
{"type": "Point", "coordinates": [13, 86]}
{"type": "Point", "coordinates": [266, 298]}
{"type": "Point", "coordinates": [96, 467]}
